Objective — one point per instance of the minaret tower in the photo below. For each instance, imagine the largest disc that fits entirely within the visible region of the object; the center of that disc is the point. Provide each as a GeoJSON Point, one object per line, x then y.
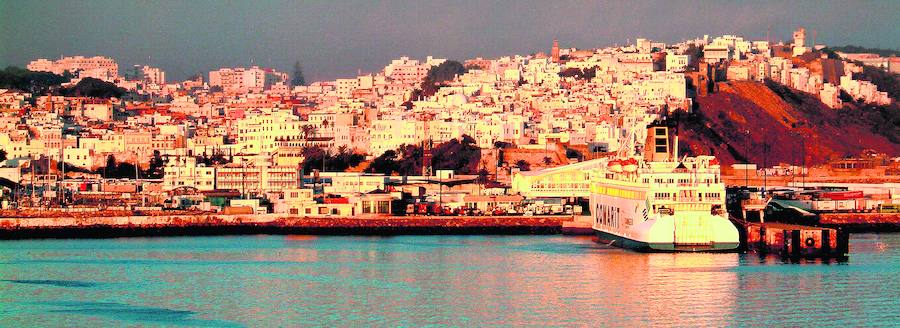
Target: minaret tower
{"type": "Point", "coordinates": [554, 53]}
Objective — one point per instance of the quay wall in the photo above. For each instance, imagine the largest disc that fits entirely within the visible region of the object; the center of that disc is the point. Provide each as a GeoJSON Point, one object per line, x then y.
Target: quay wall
{"type": "Point", "coordinates": [862, 222]}
{"type": "Point", "coordinates": [122, 226]}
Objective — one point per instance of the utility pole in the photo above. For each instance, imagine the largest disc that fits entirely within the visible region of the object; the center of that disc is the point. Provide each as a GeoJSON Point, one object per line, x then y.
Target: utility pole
{"type": "Point", "coordinates": [441, 192]}
{"type": "Point", "coordinates": [31, 201]}
{"type": "Point", "coordinates": [747, 167]}
{"type": "Point", "coordinates": [47, 181]}
{"type": "Point", "coordinates": [803, 168]}
{"type": "Point", "coordinates": [765, 162]}
{"type": "Point", "coordinates": [137, 178]}
{"type": "Point", "coordinates": [62, 166]}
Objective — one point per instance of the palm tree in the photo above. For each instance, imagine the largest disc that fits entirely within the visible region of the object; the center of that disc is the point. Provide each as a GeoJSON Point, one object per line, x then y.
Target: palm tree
{"type": "Point", "coordinates": [523, 165]}
{"type": "Point", "coordinates": [308, 130]}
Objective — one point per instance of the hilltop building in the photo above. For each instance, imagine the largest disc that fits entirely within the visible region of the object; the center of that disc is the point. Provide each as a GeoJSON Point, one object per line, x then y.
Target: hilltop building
{"type": "Point", "coordinates": [98, 67]}
{"type": "Point", "coordinates": [244, 80]}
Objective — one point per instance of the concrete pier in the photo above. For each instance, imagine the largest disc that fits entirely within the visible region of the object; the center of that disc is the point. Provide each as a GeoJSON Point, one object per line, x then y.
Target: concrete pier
{"type": "Point", "coordinates": [579, 226]}
{"type": "Point", "coordinates": [101, 227]}
{"type": "Point", "coordinates": [794, 240]}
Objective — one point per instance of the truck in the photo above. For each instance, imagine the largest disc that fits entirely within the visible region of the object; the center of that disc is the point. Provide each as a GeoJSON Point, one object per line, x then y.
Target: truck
{"type": "Point", "coordinates": [889, 208]}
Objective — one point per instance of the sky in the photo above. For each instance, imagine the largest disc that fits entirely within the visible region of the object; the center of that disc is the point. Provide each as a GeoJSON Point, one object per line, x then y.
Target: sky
{"type": "Point", "coordinates": [339, 38]}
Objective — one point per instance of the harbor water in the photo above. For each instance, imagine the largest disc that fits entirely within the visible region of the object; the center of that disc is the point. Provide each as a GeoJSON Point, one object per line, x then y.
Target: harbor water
{"type": "Point", "coordinates": [433, 280]}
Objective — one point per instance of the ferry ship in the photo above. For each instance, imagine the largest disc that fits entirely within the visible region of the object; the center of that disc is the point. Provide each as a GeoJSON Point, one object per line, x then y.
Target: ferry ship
{"type": "Point", "coordinates": [656, 202]}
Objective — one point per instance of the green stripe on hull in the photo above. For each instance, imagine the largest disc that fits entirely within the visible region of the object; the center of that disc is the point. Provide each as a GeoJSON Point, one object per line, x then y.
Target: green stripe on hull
{"type": "Point", "coordinates": [641, 246]}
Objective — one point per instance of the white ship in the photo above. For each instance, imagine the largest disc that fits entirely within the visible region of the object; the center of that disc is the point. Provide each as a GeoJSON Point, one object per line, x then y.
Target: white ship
{"type": "Point", "coordinates": [656, 202]}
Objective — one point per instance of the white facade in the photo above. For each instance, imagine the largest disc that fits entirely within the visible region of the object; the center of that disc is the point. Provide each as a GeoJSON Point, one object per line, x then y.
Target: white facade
{"type": "Point", "coordinates": [677, 63]}
{"type": "Point", "coordinates": [243, 80]}
{"type": "Point", "coordinates": [98, 67]}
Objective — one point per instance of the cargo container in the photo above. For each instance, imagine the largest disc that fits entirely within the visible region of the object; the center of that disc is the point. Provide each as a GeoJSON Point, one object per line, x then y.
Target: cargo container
{"type": "Point", "coordinates": [840, 195]}
{"type": "Point", "coordinates": [872, 204]}
{"type": "Point", "coordinates": [889, 208]}
{"type": "Point", "coordinates": [845, 205]}
{"type": "Point", "coordinates": [824, 205]}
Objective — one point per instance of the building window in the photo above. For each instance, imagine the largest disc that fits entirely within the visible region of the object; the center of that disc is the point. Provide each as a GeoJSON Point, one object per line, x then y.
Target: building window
{"type": "Point", "coordinates": [384, 207]}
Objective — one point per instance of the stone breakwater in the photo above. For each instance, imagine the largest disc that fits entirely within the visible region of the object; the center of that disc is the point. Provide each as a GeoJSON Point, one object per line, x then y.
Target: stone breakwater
{"type": "Point", "coordinates": [124, 226]}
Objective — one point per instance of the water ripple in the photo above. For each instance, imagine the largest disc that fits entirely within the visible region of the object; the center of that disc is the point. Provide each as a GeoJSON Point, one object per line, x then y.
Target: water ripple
{"type": "Point", "coordinates": [435, 281]}
{"type": "Point", "coordinates": [126, 312]}
{"type": "Point", "coordinates": [57, 283]}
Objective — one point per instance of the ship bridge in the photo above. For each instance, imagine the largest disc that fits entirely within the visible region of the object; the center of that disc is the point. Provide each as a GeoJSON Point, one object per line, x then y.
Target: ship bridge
{"type": "Point", "coordinates": [571, 180]}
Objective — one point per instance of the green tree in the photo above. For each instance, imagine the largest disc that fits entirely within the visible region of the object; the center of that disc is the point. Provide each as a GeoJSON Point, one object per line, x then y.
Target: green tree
{"type": "Point", "coordinates": [460, 155]}
{"type": "Point", "coordinates": [298, 78]}
{"type": "Point", "coordinates": [91, 87]}
{"type": "Point", "coordinates": [857, 49]}
{"type": "Point", "coordinates": [37, 83]}
{"type": "Point", "coordinates": [157, 165]}
{"type": "Point", "coordinates": [385, 163]}
{"type": "Point", "coordinates": [885, 81]}
{"type": "Point", "coordinates": [446, 71]}
{"type": "Point", "coordinates": [439, 75]}
{"type": "Point", "coordinates": [483, 176]}
{"type": "Point", "coordinates": [523, 165]}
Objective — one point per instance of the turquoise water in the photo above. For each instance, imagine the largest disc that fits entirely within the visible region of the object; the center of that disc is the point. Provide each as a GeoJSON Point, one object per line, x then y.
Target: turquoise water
{"type": "Point", "coordinates": [433, 280]}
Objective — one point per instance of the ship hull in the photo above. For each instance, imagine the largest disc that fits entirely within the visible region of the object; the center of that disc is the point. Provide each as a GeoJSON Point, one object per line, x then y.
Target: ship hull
{"type": "Point", "coordinates": [607, 238]}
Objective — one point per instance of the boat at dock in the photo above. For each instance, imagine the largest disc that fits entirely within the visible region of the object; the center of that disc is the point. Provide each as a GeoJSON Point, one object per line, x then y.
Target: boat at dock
{"type": "Point", "coordinates": [656, 202]}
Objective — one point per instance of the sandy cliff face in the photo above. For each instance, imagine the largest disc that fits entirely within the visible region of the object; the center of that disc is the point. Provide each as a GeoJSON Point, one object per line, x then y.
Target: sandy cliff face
{"type": "Point", "coordinates": [770, 122]}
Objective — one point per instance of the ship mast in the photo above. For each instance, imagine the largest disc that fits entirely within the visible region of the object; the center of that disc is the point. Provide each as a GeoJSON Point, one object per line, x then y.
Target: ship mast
{"type": "Point", "coordinates": [627, 147]}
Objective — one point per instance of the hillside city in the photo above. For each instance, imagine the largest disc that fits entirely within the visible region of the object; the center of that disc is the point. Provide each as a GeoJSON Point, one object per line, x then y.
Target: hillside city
{"type": "Point", "coordinates": [432, 135]}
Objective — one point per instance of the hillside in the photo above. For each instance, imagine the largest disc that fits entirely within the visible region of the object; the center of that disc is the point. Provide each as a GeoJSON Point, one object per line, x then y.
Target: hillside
{"type": "Point", "coordinates": [768, 121]}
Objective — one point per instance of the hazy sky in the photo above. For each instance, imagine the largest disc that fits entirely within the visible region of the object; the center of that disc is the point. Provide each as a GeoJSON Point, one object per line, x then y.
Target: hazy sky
{"type": "Point", "coordinates": [337, 38]}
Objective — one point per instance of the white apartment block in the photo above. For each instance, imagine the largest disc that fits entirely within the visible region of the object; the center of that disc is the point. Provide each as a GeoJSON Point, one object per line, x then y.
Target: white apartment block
{"type": "Point", "coordinates": [146, 74]}
{"type": "Point", "coordinates": [677, 63]}
{"type": "Point", "coordinates": [98, 67]}
{"type": "Point", "coordinates": [244, 80]}
{"type": "Point", "coordinates": [410, 71]}
{"type": "Point", "coordinates": [386, 135]}
{"type": "Point", "coordinates": [258, 132]}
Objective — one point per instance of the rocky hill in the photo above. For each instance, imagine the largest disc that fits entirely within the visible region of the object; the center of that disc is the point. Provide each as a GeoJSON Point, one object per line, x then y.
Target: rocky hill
{"type": "Point", "coordinates": [769, 123]}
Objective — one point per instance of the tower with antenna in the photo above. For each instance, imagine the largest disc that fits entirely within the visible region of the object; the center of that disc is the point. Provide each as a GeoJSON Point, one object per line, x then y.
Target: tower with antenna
{"type": "Point", "coordinates": [814, 39]}
{"type": "Point", "coordinates": [799, 46]}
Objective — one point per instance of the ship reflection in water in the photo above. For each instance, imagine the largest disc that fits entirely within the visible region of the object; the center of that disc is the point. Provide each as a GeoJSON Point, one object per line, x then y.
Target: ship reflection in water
{"type": "Point", "coordinates": [425, 280]}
